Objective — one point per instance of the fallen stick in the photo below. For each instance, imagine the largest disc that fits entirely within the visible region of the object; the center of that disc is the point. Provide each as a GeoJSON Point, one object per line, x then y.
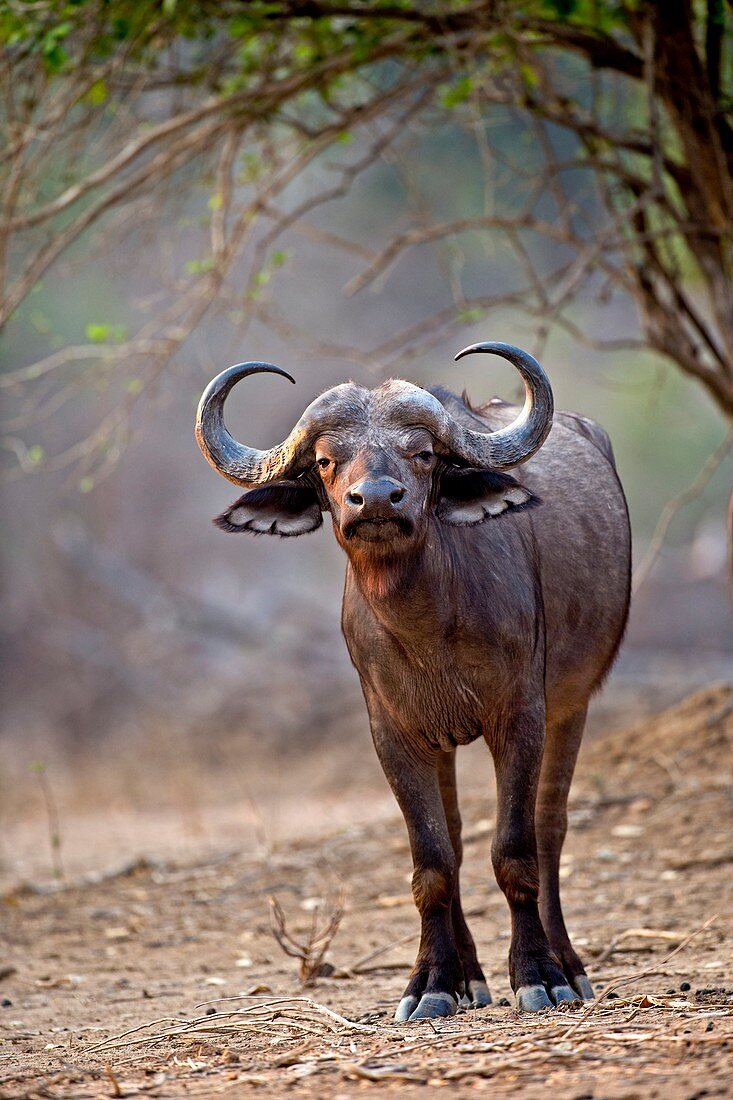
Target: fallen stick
{"type": "Point", "coordinates": [356, 967]}
{"type": "Point", "coordinates": [300, 1007]}
{"type": "Point", "coordinates": [635, 933]}
{"type": "Point", "coordinates": [593, 1007]}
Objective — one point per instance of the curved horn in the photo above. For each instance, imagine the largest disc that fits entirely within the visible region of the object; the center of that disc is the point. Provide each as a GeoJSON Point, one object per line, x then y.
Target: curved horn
{"type": "Point", "coordinates": [240, 464]}
{"type": "Point", "coordinates": [497, 450]}
{"type": "Point", "coordinates": [517, 442]}
{"type": "Point", "coordinates": [246, 465]}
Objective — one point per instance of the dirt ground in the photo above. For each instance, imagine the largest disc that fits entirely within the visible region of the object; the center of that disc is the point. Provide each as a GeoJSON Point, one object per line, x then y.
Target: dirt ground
{"type": "Point", "coordinates": [161, 977]}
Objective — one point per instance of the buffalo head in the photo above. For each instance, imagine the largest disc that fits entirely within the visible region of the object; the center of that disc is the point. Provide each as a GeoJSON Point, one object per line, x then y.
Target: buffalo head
{"type": "Point", "coordinates": [381, 461]}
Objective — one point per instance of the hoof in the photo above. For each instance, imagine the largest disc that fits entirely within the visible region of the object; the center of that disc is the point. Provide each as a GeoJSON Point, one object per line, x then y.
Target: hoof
{"type": "Point", "coordinates": [563, 994]}
{"type": "Point", "coordinates": [584, 988]}
{"type": "Point", "coordinates": [532, 998]}
{"type": "Point", "coordinates": [432, 1006]}
{"type": "Point", "coordinates": [405, 1009]}
{"type": "Point", "coordinates": [479, 995]}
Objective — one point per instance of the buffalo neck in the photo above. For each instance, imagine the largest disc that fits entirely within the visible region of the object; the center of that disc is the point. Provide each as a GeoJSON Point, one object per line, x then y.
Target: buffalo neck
{"type": "Point", "coordinates": [411, 595]}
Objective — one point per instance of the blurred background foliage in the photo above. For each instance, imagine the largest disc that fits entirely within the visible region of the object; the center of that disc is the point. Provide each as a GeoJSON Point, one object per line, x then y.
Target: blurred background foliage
{"type": "Point", "coordinates": [352, 190]}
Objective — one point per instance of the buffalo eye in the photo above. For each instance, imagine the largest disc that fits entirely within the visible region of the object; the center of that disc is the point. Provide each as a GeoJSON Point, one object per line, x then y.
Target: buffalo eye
{"type": "Point", "coordinates": [323, 462]}
{"type": "Point", "coordinates": [424, 456]}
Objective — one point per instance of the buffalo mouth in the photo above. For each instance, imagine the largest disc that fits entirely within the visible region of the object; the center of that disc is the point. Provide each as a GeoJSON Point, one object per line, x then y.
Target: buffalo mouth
{"type": "Point", "coordinates": [379, 529]}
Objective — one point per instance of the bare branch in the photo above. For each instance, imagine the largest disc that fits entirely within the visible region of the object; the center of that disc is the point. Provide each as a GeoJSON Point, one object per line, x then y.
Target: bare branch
{"type": "Point", "coordinates": [672, 507]}
{"type": "Point", "coordinates": [310, 950]}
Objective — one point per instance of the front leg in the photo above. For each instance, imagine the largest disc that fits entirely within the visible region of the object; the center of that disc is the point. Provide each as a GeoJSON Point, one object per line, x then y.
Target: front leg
{"type": "Point", "coordinates": [535, 974]}
{"type": "Point", "coordinates": [436, 983]}
{"type": "Point", "coordinates": [477, 993]}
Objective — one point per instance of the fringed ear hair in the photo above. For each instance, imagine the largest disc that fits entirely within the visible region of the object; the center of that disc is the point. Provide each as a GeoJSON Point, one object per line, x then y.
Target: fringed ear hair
{"type": "Point", "coordinates": [470, 496]}
{"type": "Point", "coordinates": [284, 510]}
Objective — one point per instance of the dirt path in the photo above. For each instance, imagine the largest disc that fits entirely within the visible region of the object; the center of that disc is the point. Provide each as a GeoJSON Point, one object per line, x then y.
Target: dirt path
{"type": "Point", "coordinates": [647, 863]}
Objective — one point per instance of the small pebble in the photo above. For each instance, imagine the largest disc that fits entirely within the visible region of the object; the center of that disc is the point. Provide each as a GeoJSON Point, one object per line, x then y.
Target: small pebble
{"type": "Point", "coordinates": [671, 991]}
{"type": "Point", "coordinates": [600, 985]}
{"type": "Point", "coordinates": [612, 996]}
{"type": "Point", "coordinates": [211, 1011]}
{"type": "Point", "coordinates": [685, 987]}
{"type": "Point", "coordinates": [6, 1002]}
{"type": "Point", "coordinates": [503, 1003]}
{"type": "Point", "coordinates": [710, 1026]}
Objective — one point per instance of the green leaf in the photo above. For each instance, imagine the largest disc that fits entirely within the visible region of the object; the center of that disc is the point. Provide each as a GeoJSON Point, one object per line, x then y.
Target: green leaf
{"type": "Point", "coordinates": [97, 94]}
{"type": "Point", "coordinates": [105, 334]}
{"type": "Point", "coordinates": [252, 168]}
{"type": "Point", "coordinates": [472, 315]}
{"type": "Point", "coordinates": [305, 53]}
{"type": "Point", "coordinates": [452, 95]}
{"type": "Point", "coordinates": [199, 267]}
{"type": "Point", "coordinates": [55, 58]}
{"type": "Point", "coordinates": [529, 75]}
{"type": "Point", "coordinates": [98, 334]}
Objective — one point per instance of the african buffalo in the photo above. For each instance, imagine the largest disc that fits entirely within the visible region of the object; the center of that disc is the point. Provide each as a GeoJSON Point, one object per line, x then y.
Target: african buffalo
{"type": "Point", "coordinates": [477, 604]}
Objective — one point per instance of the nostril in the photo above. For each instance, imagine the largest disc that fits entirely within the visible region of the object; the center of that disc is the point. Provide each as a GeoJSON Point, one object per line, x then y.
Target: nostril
{"type": "Point", "coordinates": [397, 494]}
{"type": "Point", "coordinates": [355, 498]}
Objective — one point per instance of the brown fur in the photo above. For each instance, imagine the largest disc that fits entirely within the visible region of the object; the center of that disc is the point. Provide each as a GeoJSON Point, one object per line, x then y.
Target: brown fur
{"type": "Point", "coordinates": [477, 605]}
{"type": "Point", "coordinates": [431, 888]}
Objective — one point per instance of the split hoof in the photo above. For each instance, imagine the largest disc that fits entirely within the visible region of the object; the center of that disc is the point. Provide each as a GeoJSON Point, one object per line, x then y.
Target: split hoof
{"type": "Point", "coordinates": [535, 998]}
{"type": "Point", "coordinates": [564, 995]}
{"type": "Point", "coordinates": [479, 994]}
{"type": "Point", "coordinates": [431, 1006]}
{"type": "Point", "coordinates": [405, 1009]}
{"type": "Point", "coordinates": [532, 998]}
{"type": "Point", "coordinates": [583, 987]}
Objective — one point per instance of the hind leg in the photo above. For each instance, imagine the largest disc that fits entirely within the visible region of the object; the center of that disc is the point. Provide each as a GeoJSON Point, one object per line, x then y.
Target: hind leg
{"type": "Point", "coordinates": [551, 819]}
{"type": "Point", "coordinates": [477, 993]}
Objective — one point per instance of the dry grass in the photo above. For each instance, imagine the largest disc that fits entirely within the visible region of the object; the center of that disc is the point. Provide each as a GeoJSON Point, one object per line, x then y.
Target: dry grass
{"type": "Point", "coordinates": [100, 970]}
{"type": "Point", "coordinates": [454, 1050]}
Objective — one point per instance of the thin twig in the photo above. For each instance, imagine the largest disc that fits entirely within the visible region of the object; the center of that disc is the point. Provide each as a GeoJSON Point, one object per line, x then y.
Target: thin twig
{"type": "Point", "coordinates": [52, 818]}
{"type": "Point", "coordinates": [673, 506]}
{"type": "Point", "coordinates": [629, 979]}
{"type": "Point", "coordinates": [311, 951]}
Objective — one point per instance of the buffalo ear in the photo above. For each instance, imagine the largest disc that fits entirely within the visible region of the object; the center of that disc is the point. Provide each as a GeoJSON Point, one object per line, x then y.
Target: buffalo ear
{"type": "Point", "coordinates": [285, 510]}
{"type": "Point", "coordinates": [468, 497]}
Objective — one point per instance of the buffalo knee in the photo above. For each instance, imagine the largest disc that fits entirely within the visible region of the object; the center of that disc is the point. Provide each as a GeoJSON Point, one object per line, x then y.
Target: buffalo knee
{"type": "Point", "coordinates": [516, 873]}
{"type": "Point", "coordinates": [432, 887]}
